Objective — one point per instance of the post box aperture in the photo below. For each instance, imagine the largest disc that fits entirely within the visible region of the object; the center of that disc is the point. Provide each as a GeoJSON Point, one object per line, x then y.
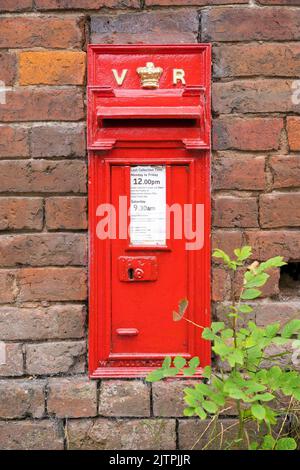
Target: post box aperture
{"type": "Point", "coordinates": [149, 205]}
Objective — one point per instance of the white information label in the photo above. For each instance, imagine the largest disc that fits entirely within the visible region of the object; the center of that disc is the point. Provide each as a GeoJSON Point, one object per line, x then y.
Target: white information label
{"type": "Point", "coordinates": [148, 205]}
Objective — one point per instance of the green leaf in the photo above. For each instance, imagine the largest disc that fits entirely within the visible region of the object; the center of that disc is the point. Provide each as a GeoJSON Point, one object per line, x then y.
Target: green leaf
{"type": "Point", "coordinates": [258, 411]}
{"type": "Point", "coordinates": [170, 372]}
{"type": "Point", "coordinates": [253, 446]}
{"type": "Point", "coordinates": [155, 375]}
{"type": "Point", "coordinates": [249, 294]}
{"type": "Point", "coordinates": [275, 262]}
{"type": "Point", "coordinates": [286, 443]}
{"type": "Point", "coordinates": [258, 280]}
{"type": "Point", "coordinates": [189, 371]}
{"type": "Point", "coordinates": [179, 362]}
{"type": "Point", "coordinates": [221, 254]}
{"type": "Point", "coordinates": [194, 362]}
{"type": "Point", "coordinates": [206, 372]}
{"type": "Point", "coordinates": [200, 412]}
{"type": "Point", "coordinates": [236, 357]}
{"type": "Point", "coordinates": [190, 411]}
{"type": "Point", "coordinates": [167, 362]}
{"type": "Point", "coordinates": [271, 330]}
{"type": "Point", "coordinates": [210, 406]}
{"type": "Point", "coordinates": [264, 396]}
{"type": "Point", "coordinates": [217, 326]}
{"type": "Point", "coordinates": [245, 308]}
{"type": "Point", "coordinates": [243, 253]}
{"type": "Point", "coordinates": [291, 328]}
{"type": "Point", "coordinates": [268, 442]}
{"type": "Point", "coordinates": [208, 334]}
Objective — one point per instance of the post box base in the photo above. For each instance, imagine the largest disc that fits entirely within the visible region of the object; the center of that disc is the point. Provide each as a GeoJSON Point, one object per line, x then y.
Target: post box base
{"type": "Point", "coordinates": [132, 372]}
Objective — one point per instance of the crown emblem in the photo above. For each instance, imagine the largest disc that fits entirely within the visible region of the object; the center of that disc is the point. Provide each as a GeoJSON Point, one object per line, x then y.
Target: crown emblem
{"type": "Point", "coordinates": [149, 75]}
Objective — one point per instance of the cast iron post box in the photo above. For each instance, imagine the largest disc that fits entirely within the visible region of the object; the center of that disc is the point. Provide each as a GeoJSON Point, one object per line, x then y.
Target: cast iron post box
{"type": "Point", "coordinates": [149, 205]}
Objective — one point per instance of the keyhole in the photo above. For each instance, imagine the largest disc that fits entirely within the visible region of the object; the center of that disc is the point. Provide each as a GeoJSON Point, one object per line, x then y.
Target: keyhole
{"type": "Point", "coordinates": [130, 273]}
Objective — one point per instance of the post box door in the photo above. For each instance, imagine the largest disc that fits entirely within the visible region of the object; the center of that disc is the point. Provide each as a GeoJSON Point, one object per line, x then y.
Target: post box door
{"type": "Point", "coordinates": [148, 281]}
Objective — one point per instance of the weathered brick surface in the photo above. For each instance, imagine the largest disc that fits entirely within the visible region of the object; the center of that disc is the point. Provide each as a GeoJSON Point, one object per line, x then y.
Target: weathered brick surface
{"type": "Point", "coordinates": [8, 68]}
{"type": "Point", "coordinates": [227, 240]}
{"type": "Point", "coordinates": [51, 284]}
{"type": "Point", "coordinates": [221, 284]}
{"type": "Point", "coordinates": [35, 322]}
{"type": "Point", "coordinates": [18, 213]}
{"type": "Point", "coordinates": [42, 104]}
{"type": "Point", "coordinates": [235, 212]}
{"type": "Point", "coordinates": [86, 4]}
{"type": "Point", "coordinates": [246, 133]}
{"type": "Point", "coordinates": [31, 435]}
{"type": "Point", "coordinates": [254, 96]}
{"type": "Point", "coordinates": [119, 398]}
{"type": "Point", "coordinates": [190, 2]}
{"type": "Point", "coordinates": [15, 5]}
{"type": "Point", "coordinates": [248, 24]}
{"type": "Point", "coordinates": [66, 213]}
{"type": "Point", "coordinates": [271, 312]}
{"type": "Point", "coordinates": [8, 288]}
{"type": "Point", "coordinates": [105, 434]}
{"type": "Point", "coordinates": [22, 398]}
{"type": "Point", "coordinates": [279, 210]}
{"type": "Point", "coordinates": [74, 397]}
{"type": "Point", "coordinates": [14, 141]}
{"type": "Point", "coordinates": [168, 397]}
{"type": "Point", "coordinates": [42, 176]}
{"type": "Point", "coordinates": [13, 365]}
{"type": "Point", "coordinates": [239, 173]}
{"type": "Point", "coordinates": [58, 140]}
{"type": "Point", "coordinates": [43, 249]}
{"type": "Point", "coordinates": [66, 357]}
{"type": "Point", "coordinates": [293, 130]}
{"type": "Point", "coordinates": [285, 171]}
{"type": "Point", "coordinates": [266, 244]}
{"type": "Point", "coordinates": [146, 27]}
{"type": "Point", "coordinates": [40, 31]}
{"type": "Point", "coordinates": [238, 60]}
{"type": "Point", "coordinates": [52, 68]}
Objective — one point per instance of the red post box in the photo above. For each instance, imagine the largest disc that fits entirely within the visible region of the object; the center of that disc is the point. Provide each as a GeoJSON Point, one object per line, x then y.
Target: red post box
{"type": "Point", "coordinates": [149, 205]}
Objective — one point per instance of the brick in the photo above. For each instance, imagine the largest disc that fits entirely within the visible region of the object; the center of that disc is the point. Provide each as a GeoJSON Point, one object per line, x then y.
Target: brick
{"type": "Point", "coordinates": [58, 140]}
{"type": "Point", "coordinates": [250, 24]}
{"type": "Point", "coordinates": [14, 142]}
{"type": "Point", "coordinates": [31, 435]}
{"type": "Point", "coordinates": [266, 244]}
{"type": "Point", "coordinates": [239, 173]}
{"type": "Point", "coordinates": [235, 212]}
{"type": "Point", "coordinates": [15, 5]}
{"type": "Point", "coordinates": [13, 365]}
{"type": "Point", "coordinates": [7, 67]}
{"type": "Point", "coordinates": [192, 434]}
{"type": "Point", "coordinates": [43, 249]}
{"type": "Point", "coordinates": [279, 210]}
{"type": "Point", "coordinates": [51, 284]}
{"type": "Point", "coordinates": [38, 31]}
{"type": "Point", "coordinates": [66, 213]}
{"type": "Point", "coordinates": [227, 241]}
{"type": "Point", "coordinates": [293, 131]}
{"type": "Point", "coordinates": [42, 104]}
{"type": "Point", "coordinates": [8, 289]}
{"type": "Point", "coordinates": [168, 397]}
{"type": "Point", "coordinates": [52, 68]}
{"type": "Point", "coordinates": [285, 170]}
{"type": "Point", "coordinates": [283, 361]}
{"type": "Point", "coordinates": [272, 311]}
{"type": "Point", "coordinates": [22, 398]}
{"type": "Point", "coordinates": [74, 397]}
{"type": "Point", "coordinates": [119, 398]}
{"type": "Point", "coordinates": [56, 358]}
{"type": "Point", "coordinates": [85, 4]}
{"type": "Point", "coordinates": [279, 2]}
{"type": "Point", "coordinates": [122, 434]}
{"type": "Point", "coordinates": [253, 96]}
{"type": "Point", "coordinates": [43, 176]}
{"type": "Point", "coordinates": [17, 213]}
{"type": "Point", "coordinates": [221, 311]}
{"type": "Point", "coordinates": [270, 289]}
{"type": "Point", "coordinates": [146, 27]}
{"type": "Point", "coordinates": [246, 133]}
{"type": "Point", "coordinates": [221, 284]}
{"type": "Point", "coordinates": [272, 60]}
{"type": "Point", "coordinates": [42, 323]}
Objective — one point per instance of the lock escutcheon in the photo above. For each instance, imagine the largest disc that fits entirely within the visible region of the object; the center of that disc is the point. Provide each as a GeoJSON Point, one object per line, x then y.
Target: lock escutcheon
{"type": "Point", "coordinates": [138, 273]}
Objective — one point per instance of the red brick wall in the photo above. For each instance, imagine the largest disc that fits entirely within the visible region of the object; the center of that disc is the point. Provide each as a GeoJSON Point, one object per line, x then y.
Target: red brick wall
{"type": "Point", "coordinates": [43, 243]}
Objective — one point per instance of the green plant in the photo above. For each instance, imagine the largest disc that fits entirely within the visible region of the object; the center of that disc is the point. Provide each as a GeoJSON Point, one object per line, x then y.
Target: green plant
{"type": "Point", "coordinates": [250, 376]}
